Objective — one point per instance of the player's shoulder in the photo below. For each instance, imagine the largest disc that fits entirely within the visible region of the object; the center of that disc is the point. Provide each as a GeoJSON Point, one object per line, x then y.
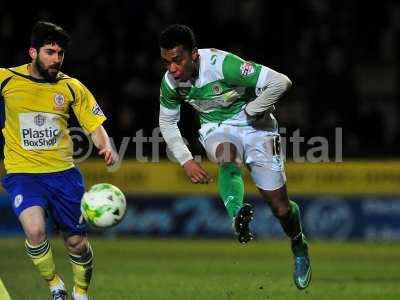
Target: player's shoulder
{"type": "Point", "coordinates": [72, 82]}
{"type": "Point", "coordinates": [212, 53]}
{"type": "Point", "coordinates": [64, 77]}
{"type": "Point", "coordinates": [212, 58]}
{"type": "Point", "coordinates": [211, 63]}
{"type": "Point", "coordinates": [10, 71]}
{"type": "Point", "coordinates": [4, 73]}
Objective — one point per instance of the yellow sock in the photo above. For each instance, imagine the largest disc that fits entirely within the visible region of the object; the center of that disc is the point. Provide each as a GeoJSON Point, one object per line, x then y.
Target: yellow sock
{"type": "Point", "coordinates": [42, 258]}
{"type": "Point", "coordinates": [4, 295]}
{"type": "Point", "coordinates": [56, 280]}
{"type": "Point", "coordinates": [82, 267]}
{"type": "Point", "coordinates": [79, 290]}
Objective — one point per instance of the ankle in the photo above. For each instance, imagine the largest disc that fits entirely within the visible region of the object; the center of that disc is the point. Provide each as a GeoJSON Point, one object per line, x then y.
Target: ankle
{"type": "Point", "coordinates": [79, 290]}
{"type": "Point", "coordinates": [298, 238]}
{"type": "Point", "coordinates": [299, 245]}
{"type": "Point", "coordinates": [54, 281]}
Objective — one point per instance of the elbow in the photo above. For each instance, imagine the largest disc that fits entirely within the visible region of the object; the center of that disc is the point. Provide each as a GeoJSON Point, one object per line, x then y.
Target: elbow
{"type": "Point", "coordinates": [166, 126]}
{"type": "Point", "coordinates": [162, 123]}
{"type": "Point", "coordinates": [287, 83]}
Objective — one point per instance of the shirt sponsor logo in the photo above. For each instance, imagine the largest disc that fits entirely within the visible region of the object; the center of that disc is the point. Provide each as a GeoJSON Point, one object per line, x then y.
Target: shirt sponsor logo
{"type": "Point", "coordinates": [96, 110]}
{"type": "Point", "coordinates": [18, 200]}
{"type": "Point", "coordinates": [39, 120]}
{"type": "Point", "coordinates": [247, 69]}
{"type": "Point", "coordinates": [59, 101]}
{"type": "Point", "coordinates": [39, 130]}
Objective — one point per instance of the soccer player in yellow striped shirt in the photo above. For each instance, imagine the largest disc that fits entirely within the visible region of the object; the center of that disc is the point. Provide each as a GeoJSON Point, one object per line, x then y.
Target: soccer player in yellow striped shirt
{"type": "Point", "coordinates": [36, 101]}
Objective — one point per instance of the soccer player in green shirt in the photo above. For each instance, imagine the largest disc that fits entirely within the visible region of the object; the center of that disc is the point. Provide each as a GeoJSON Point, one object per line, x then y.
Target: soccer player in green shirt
{"type": "Point", "coordinates": [231, 96]}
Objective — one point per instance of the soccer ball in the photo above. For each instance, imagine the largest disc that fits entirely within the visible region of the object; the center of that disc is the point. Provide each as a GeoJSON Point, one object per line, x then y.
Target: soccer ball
{"type": "Point", "coordinates": [104, 205]}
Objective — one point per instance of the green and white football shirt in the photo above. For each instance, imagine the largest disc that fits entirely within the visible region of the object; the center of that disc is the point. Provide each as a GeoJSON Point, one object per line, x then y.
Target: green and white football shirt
{"type": "Point", "coordinates": [224, 85]}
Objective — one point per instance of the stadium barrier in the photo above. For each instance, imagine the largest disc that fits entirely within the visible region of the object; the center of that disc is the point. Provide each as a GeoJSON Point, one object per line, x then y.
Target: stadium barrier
{"type": "Point", "coordinates": [350, 200]}
{"type": "Point", "coordinates": [336, 218]}
{"type": "Point", "coordinates": [167, 178]}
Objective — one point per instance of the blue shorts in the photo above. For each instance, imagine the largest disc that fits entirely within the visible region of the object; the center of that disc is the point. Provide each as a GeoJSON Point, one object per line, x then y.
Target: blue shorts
{"type": "Point", "coordinates": [58, 193]}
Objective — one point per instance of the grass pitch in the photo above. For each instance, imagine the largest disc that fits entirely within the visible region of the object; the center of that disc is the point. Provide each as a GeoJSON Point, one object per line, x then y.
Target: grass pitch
{"type": "Point", "coordinates": [213, 269]}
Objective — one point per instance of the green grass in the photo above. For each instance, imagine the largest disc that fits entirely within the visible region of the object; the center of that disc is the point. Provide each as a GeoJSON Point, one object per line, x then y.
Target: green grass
{"type": "Point", "coordinates": [209, 269]}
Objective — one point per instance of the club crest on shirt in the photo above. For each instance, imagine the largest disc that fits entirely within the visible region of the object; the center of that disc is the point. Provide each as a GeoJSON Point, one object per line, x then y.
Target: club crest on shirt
{"type": "Point", "coordinates": [18, 200]}
{"type": "Point", "coordinates": [246, 69]}
{"type": "Point", "coordinates": [216, 89]}
{"type": "Point", "coordinates": [183, 92]}
{"type": "Point", "coordinates": [59, 101]}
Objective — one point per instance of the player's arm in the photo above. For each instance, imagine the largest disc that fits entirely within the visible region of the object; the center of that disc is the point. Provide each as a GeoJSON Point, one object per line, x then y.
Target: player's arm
{"type": "Point", "coordinates": [91, 118]}
{"type": "Point", "coordinates": [271, 89]}
{"type": "Point", "coordinates": [168, 120]}
{"type": "Point", "coordinates": [102, 142]}
{"type": "Point", "coordinates": [4, 78]}
{"type": "Point", "coordinates": [269, 85]}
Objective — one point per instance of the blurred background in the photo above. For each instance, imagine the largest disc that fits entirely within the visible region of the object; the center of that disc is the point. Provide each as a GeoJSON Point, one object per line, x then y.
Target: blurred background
{"type": "Point", "coordinates": [343, 61]}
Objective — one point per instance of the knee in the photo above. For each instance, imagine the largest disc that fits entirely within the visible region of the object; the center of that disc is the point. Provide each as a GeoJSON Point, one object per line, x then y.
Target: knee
{"type": "Point", "coordinates": [281, 212]}
{"type": "Point", "coordinates": [280, 207]}
{"type": "Point", "coordinates": [35, 234]}
{"type": "Point", "coordinates": [278, 202]}
{"type": "Point", "coordinates": [77, 245]}
{"type": "Point", "coordinates": [226, 152]}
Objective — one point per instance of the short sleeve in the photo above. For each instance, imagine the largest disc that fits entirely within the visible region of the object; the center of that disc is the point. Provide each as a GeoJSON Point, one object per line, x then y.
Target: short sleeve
{"type": "Point", "coordinates": [86, 109]}
{"type": "Point", "coordinates": [4, 74]}
{"type": "Point", "coordinates": [239, 72]}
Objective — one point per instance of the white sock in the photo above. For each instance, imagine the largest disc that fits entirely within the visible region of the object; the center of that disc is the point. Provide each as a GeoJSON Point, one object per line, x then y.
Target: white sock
{"type": "Point", "coordinates": [58, 287]}
{"type": "Point", "coordinates": [79, 296]}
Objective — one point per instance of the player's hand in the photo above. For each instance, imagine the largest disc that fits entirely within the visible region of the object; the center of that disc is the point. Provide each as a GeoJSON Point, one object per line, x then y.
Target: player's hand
{"type": "Point", "coordinates": [261, 120]}
{"type": "Point", "coordinates": [110, 156]}
{"type": "Point", "coordinates": [195, 172]}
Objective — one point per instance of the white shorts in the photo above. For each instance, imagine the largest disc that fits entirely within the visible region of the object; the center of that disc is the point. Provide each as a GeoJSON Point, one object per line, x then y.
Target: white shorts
{"type": "Point", "coordinates": [258, 149]}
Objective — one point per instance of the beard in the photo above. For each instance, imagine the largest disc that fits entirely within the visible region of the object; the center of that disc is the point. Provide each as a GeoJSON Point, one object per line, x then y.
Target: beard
{"type": "Point", "coordinates": [45, 72]}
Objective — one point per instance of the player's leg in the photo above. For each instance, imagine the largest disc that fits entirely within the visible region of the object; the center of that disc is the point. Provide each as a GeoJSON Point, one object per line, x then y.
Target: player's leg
{"type": "Point", "coordinates": [230, 181]}
{"type": "Point", "coordinates": [288, 214]}
{"type": "Point", "coordinates": [38, 249]}
{"type": "Point", "coordinates": [4, 295]}
{"type": "Point", "coordinates": [66, 189]}
{"type": "Point", "coordinates": [81, 257]}
{"type": "Point", "coordinates": [223, 146]}
{"type": "Point", "coordinates": [29, 203]}
{"type": "Point", "coordinates": [231, 190]}
{"type": "Point", "coordinates": [267, 170]}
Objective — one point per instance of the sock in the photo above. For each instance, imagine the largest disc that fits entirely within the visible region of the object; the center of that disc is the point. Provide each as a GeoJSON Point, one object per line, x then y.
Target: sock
{"type": "Point", "coordinates": [292, 227]}
{"type": "Point", "coordinates": [82, 266]}
{"type": "Point", "coordinates": [42, 258]}
{"type": "Point", "coordinates": [4, 295]}
{"type": "Point", "coordinates": [231, 187]}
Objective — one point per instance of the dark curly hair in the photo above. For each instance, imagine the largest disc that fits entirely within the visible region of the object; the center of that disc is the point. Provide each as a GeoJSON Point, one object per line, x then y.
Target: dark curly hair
{"type": "Point", "coordinates": [177, 34]}
{"type": "Point", "coordinates": [44, 33]}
